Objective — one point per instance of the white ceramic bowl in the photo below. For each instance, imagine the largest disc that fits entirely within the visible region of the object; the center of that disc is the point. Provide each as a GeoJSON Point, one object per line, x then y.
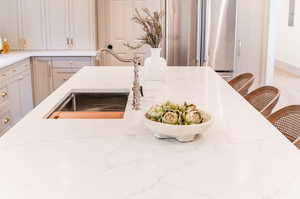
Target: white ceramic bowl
{"type": "Point", "coordinates": [182, 133]}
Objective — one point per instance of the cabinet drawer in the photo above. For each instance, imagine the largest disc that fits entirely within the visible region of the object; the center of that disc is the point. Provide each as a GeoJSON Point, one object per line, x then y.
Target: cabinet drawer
{"type": "Point", "coordinates": [61, 76]}
{"type": "Point", "coordinates": [77, 62]}
{"type": "Point", "coordinates": [3, 96]}
{"type": "Point", "coordinates": [20, 67]}
{"type": "Point", "coordinates": [6, 120]}
{"type": "Point", "coordinates": [15, 69]}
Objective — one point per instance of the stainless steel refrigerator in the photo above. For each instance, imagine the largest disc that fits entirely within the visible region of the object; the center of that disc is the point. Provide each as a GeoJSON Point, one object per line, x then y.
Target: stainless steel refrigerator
{"type": "Point", "coordinates": [201, 32]}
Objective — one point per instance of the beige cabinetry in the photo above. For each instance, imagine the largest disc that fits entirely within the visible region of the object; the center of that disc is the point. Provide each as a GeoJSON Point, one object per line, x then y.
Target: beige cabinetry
{"type": "Point", "coordinates": [32, 24]}
{"type": "Point", "coordinates": [42, 78]}
{"type": "Point", "coordinates": [49, 24]}
{"type": "Point", "coordinates": [9, 22]}
{"type": "Point", "coordinates": [51, 72]}
{"type": "Point", "coordinates": [72, 24]}
{"type": "Point", "coordinates": [65, 67]}
{"type": "Point", "coordinates": [15, 94]}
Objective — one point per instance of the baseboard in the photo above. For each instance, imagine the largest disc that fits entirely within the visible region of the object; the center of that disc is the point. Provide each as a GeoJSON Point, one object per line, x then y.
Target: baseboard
{"type": "Point", "coordinates": [287, 67]}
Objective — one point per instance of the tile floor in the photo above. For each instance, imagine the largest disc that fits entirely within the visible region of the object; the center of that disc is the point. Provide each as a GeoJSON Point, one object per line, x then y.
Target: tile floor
{"type": "Point", "coordinates": [289, 85]}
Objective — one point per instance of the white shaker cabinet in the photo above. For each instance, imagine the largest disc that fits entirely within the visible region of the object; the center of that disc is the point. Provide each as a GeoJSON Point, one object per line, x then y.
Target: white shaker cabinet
{"type": "Point", "coordinates": [49, 24]}
{"type": "Point", "coordinates": [9, 22]}
{"type": "Point", "coordinates": [71, 25]}
{"type": "Point", "coordinates": [83, 24]}
{"type": "Point", "coordinates": [33, 24]}
{"type": "Point", "coordinates": [58, 28]}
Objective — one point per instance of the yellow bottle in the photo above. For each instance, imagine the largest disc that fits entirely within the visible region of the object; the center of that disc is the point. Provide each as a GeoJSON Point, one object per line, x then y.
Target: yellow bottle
{"type": "Point", "coordinates": [6, 47]}
{"type": "Point", "coordinates": [1, 45]}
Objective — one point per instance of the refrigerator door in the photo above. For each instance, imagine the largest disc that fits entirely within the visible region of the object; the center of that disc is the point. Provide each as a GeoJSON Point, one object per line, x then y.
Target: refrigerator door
{"type": "Point", "coordinates": [181, 32]}
{"type": "Point", "coordinates": [220, 39]}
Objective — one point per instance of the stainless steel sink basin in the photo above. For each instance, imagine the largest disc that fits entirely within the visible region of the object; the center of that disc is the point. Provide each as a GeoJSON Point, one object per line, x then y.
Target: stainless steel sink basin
{"type": "Point", "coordinates": [91, 105]}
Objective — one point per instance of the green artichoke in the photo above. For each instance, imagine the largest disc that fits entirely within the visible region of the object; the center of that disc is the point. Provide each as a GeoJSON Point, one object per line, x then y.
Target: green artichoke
{"type": "Point", "coordinates": [176, 114]}
{"type": "Point", "coordinates": [192, 117]}
{"type": "Point", "coordinates": [170, 118]}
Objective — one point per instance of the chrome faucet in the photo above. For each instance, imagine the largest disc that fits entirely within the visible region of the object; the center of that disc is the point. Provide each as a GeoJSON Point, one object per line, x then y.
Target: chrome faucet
{"type": "Point", "coordinates": [136, 88]}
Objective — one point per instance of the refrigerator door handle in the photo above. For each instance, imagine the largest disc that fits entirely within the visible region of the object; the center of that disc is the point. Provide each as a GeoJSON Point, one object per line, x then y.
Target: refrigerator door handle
{"type": "Point", "coordinates": [239, 48]}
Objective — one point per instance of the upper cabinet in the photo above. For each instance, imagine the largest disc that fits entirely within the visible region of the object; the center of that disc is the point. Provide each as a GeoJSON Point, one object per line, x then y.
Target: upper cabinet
{"type": "Point", "coordinates": [9, 22]}
{"type": "Point", "coordinates": [71, 25]}
{"type": "Point", "coordinates": [83, 24]}
{"type": "Point", "coordinates": [33, 32]}
{"type": "Point", "coordinates": [49, 24]}
{"type": "Point", "coordinates": [58, 28]}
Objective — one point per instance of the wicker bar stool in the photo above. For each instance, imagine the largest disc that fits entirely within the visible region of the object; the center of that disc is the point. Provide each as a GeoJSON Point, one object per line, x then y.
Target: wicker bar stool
{"type": "Point", "coordinates": [264, 99]}
{"type": "Point", "coordinates": [287, 121]}
{"type": "Point", "coordinates": [242, 83]}
{"type": "Point", "coordinates": [297, 143]}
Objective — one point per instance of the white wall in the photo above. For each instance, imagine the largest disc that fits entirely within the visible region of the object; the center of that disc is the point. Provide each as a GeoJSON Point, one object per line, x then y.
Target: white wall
{"type": "Point", "coordinates": [288, 38]}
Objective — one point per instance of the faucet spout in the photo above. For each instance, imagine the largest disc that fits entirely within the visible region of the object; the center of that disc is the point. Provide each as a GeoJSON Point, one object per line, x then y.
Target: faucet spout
{"type": "Point", "coordinates": [136, 88]}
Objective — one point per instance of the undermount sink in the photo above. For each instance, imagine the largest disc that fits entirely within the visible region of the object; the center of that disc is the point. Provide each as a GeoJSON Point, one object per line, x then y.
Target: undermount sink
{"type": "Point", "coordinates": [91, 105]}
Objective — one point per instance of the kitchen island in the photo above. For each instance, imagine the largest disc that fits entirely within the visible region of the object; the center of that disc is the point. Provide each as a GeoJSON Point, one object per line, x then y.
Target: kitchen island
{"type": "Point", "coordinates": [241, 156]}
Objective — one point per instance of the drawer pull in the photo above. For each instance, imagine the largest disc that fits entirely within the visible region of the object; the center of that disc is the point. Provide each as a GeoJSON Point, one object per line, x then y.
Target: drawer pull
{"type": "Point", "coordinates": [6, 120]}
{"type": "Point", "coordinates": [4, 94]}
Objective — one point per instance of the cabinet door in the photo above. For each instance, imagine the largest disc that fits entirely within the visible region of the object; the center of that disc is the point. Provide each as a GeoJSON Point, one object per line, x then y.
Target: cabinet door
{"type": "Point", "coordinates": [9, 22]}
{"type": "Point", "coordinates": [6, 121]}
{"type": "Point", "coordinates": [33, 24]}
{"type": "Point", "coordinates": [57, 17]}
{"type": "Point", "coordinates": [251, 26]}
{"type": "Point", "coordinates": [14, 99]}
{"type": "Point", "coordinates": [60, 76]}
{"type": "Point", "coordinates": [83, 23]}
{"type": "Point", "coordinates": [26, 93]}
{"type": "Point", "coordinates": [42, 78]}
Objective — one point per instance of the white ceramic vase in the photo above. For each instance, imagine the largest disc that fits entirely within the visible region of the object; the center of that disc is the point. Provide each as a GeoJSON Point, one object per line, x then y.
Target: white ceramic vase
{"type": "Point", "coordinates": [155, 66]}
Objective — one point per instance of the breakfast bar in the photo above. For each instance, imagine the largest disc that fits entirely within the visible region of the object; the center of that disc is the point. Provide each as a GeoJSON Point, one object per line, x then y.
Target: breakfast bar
{"type": "Point", "coordinates": [241, 156]}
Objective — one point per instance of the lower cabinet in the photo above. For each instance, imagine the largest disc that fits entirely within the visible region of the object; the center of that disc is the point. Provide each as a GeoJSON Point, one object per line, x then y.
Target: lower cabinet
{"type": "Point", "coordinates": [26, 93]}
{"type": "Point", "coordinates": [49, 73]}
{"type": "Point", "coordinates": [60, 76]}
{"type": "Point", "coordinates": [25, 84]}
{"type": "Point", "coordinates": [16, 94]}
{"type": "Point", "coordinates": [14, 99]}
{"type": "Point", "coordinates": [42, 78]}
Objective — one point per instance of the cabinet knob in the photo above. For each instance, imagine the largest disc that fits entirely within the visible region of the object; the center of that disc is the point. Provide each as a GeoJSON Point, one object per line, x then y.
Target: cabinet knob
{"type": "Point", "coordinates": [6, 120]}
{"type": "Point", "coordinates": [3, 94]}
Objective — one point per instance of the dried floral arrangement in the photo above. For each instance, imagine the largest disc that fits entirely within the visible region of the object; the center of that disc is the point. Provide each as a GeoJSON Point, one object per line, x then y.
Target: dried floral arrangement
{"type": "Point", "coordinates": [151, 23]}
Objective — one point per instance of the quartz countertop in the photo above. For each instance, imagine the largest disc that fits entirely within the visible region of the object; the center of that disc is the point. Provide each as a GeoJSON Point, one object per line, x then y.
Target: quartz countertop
{"type": "Point", "coordinates": [15, 56]}
{"type": "Point", "coordinates": [241, 156]}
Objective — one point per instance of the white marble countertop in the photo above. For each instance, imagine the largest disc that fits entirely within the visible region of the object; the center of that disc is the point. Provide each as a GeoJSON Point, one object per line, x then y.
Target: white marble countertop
{"type": "Point", "coordinates": [15, 56]}
{"type": "Point", "coordinates": [241, 157]}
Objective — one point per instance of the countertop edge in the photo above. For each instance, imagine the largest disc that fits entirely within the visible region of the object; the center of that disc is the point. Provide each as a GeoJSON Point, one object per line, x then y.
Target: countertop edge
{"type": "Point", "coordinates": [16, 56]}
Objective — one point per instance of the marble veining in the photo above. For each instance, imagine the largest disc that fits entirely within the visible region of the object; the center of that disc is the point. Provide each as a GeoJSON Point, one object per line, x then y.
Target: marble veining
{"type": "Point", "coordinates": [241, 156]}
